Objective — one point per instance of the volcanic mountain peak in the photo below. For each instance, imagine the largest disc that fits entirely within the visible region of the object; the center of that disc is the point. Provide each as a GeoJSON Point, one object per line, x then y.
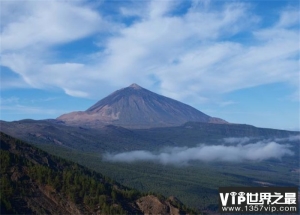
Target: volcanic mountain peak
{"type": "Point", "coordinates": [135, 86]}
{"type": "Point", "coordinates": [136, 107]}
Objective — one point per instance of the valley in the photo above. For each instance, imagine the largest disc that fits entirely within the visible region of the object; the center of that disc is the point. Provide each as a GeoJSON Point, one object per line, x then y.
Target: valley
{"type": "Point", "coordinates": [195, 184]}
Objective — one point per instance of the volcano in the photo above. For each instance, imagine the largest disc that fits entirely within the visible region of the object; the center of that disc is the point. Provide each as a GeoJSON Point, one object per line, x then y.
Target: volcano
{"type": "Point", "coordinates": [136, 107]}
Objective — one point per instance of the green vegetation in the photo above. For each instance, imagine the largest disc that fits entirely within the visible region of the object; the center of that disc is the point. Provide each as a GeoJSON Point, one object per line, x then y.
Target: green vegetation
{"type": "Point", "coordinates": [28, 172]}
{"type": "Point", "coordinates": [195, 185]}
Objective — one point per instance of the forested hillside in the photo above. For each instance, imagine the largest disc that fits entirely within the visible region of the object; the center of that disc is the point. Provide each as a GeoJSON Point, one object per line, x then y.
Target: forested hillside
{"type": "Point", "coordinates": [34, 182]}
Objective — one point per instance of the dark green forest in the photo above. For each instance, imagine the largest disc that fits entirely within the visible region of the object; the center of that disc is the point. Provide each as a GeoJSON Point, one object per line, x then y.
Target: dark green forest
{"type": "Point", "coordinates": [28, 173]}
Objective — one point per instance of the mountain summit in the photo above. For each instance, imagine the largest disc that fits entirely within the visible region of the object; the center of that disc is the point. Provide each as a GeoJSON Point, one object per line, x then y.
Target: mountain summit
{"type": "Point", "coordinates": [136, 107]}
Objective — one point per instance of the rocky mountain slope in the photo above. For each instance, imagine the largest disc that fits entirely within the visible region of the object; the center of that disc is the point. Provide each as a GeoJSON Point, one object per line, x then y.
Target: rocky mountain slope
{"type": "Point", "coordinates": [136, 107]}
{"type": "Point", "coordinates": [34, 182]}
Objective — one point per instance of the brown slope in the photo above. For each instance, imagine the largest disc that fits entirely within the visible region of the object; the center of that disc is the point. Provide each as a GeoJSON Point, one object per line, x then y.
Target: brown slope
{"type": "Point", "coordinates": [136, 107]}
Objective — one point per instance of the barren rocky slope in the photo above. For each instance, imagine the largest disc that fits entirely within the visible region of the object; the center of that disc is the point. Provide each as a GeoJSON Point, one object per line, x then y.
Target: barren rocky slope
{"type": "Point", "coordinates": [136, 107]}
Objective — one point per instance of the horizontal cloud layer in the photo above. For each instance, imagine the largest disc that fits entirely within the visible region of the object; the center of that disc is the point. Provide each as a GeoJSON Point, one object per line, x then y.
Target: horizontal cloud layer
{"type": "Point", "coordinates": [240, 140]}
{"type": "Point", "coordinates": [244, 140]}
{"type": "Point", "coordinates": [182, 155]}
{"type": "Point", "coordinates": [292, 138]}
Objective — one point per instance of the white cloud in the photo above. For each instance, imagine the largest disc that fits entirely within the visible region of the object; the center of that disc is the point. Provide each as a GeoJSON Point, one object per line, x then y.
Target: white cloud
{"type": "Point", "coordinates": [159, 8]}
{"type": "Point", "coordinates": [24, 109]}
{"type": "Point", "coordinates": [12, 82]}
{"type": "Point", "coordinates": [208, 153]}
{"type": "Point", "coordinates": [289, 139]}
{"type": "Point", "coordinates": [190, 54]}
{"type": "Point", "coordinates": [288, 18]}
{"type": "Point", "coordinates": [28, 37]}
{"type": "Point", "coordinates": [245, 140]}
{"type": "Point", "coordinates": [20, 106]}
{"type": "Point", "coordinates": [239, 140]}
{"type": "Point", "coordinates": [226, 103]}
{"type": "Point", "coordinates": [43, 23]}
{"type": "Point", "coordinates": [9, 100]}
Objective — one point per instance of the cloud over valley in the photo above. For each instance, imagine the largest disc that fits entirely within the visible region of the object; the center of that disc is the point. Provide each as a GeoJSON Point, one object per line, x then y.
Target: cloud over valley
{"type": "Point", "coordinates": [258, 151]}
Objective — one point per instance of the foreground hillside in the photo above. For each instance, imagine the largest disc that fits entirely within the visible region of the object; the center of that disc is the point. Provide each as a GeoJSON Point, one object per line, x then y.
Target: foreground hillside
{"type": "Point", "coordinates": [34, 182]}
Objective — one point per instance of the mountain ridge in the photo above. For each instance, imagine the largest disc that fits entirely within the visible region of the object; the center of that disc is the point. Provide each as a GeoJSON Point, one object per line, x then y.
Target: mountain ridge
{"type": "Point", "coordinates": [137, 107]}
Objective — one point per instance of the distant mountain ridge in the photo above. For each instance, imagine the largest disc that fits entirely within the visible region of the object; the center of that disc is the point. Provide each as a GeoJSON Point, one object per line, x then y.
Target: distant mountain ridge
{"type": "Point", "coordinates": [136, 107]}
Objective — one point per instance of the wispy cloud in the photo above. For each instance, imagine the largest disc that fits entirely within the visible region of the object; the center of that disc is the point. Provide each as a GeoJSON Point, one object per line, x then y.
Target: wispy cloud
{"type": "Point", "coordinates": [24, 109]}
{"type": "Point", "coordinates": [45, 23]}
{"type": "Point", "coordinates": [20, 106]}
{"type": "Point", "coordinates": [245, 140]}
{"type": "Point", "coordinates": [226, 103]}
{"type": "Point", "coordinates": [237, 140]}
{"type": "Point", "coordinates": [41, 27]}
{"type": "Point", "coordinates": [291, 138]}
{"type": "Point", "coordinates": [209, 153]}
{"type": "Point", "coordinates": [159, 45]}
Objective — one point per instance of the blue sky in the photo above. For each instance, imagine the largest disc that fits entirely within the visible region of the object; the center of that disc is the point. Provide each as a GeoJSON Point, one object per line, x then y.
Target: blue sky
{"type": "Point", "coordinates": [237, 60]}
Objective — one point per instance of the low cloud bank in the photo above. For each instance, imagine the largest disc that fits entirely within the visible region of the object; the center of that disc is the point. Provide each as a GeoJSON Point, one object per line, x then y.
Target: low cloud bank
{"type": "Point", "coordinates": [240, 140]}
{"type": "Point", "coordinates": [182, 155]}
{"type": "Point", "coordinates": [293, 138]}
{"type": "Point", "coordinates": [244, 140]}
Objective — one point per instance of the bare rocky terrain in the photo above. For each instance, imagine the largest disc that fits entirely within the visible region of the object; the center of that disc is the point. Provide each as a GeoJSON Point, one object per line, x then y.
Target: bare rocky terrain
{"type": "Point", "coordinates": [136, 107]}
